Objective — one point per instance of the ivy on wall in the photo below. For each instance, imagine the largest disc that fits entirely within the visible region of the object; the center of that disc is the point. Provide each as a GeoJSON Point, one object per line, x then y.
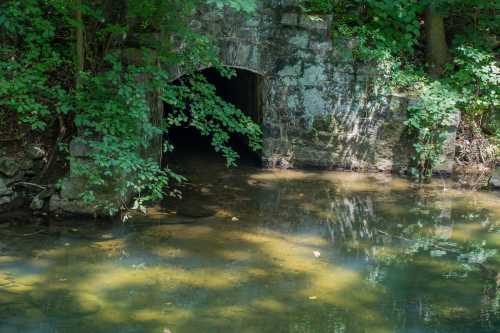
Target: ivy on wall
{"type": "Point", "coordinates": [441, 52]}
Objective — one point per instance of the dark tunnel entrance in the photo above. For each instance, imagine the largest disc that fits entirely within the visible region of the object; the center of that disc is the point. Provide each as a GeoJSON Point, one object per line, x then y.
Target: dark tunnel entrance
{"type": "Point", "coordinates": [245, 92]}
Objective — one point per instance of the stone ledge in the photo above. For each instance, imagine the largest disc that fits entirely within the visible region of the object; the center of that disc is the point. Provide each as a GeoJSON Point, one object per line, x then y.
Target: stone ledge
{"type": "Point", "coordinates": [73, 207]}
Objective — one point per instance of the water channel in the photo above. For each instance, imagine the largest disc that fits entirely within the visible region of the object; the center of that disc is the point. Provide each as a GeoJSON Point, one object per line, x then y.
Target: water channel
{"type": "Point", "coordinates": [252, 250]}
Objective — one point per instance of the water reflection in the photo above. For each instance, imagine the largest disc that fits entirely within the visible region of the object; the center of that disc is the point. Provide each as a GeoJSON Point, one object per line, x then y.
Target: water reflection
{"type": "Point", "coordinates": [280, 252]}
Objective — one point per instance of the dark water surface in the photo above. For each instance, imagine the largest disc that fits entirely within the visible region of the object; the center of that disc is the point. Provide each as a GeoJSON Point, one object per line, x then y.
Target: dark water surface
{"type": "Point", "coordinates": [251, 250]}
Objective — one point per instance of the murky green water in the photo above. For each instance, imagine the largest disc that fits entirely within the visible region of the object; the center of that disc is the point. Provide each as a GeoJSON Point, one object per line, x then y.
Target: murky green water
{"type": "Point", "coordinates": [261, 251]}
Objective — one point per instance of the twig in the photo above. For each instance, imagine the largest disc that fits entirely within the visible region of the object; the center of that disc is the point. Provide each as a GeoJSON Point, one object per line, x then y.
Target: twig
{"type": "Point", "coordinates": [30, 184]}
{"type": "Point", "coordinates": [33, 233]}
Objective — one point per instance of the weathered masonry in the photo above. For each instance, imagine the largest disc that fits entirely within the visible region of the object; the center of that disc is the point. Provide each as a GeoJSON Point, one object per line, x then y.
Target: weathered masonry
{"type": "Point", "coordinates": [320, 108]}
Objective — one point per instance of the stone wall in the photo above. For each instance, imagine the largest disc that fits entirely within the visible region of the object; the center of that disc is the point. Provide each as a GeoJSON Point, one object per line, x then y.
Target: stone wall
{"type": "Point", "coordinates": [19, 166]}
{"type": "Point", "coordinates": [321, 109]}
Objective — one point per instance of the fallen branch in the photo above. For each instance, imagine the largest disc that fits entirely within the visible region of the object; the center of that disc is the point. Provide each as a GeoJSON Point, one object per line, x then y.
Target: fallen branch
{"type": "Point", "coordinates": [27, 184]}
{"type": "Point", "coordinates": [32, 233]}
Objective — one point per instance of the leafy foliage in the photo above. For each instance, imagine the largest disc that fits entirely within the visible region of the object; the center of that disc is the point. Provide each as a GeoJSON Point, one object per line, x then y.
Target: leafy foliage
{"type": "Point", "coordinates": [429, 119]}
{"type": "Point", "coordinates": [110, 106]}
{"type": "Point", "coordinates": [389, 34]}
{"type": "Point", "coordinates": [476, 76]}
{"type": "Point", "coordinates": [29, 53]}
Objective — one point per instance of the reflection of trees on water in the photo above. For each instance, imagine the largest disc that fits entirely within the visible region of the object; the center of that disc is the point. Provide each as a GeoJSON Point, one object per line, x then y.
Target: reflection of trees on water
{"type": "Point", "coordinates": [317, 207]}
{"type": "Point", "coordinates": [402, 241]}
{"type": "Point", "coordinates": [350, 218]}
{"type": "Point", "coordinates": [371, 217]}
{"type": "Point", "coordinates": [490, 303]}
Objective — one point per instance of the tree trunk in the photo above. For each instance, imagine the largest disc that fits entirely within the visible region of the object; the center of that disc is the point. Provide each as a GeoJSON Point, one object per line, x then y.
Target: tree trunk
{"type": "Point", "coordinates": [435, 38]}
{"type": "Point", "coordinates": [80, 51]}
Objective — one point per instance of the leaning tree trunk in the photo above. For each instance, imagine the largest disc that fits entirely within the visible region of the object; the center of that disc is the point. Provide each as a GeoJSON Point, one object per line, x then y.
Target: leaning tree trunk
{"type": "Point", "coordinates": [435, 37]}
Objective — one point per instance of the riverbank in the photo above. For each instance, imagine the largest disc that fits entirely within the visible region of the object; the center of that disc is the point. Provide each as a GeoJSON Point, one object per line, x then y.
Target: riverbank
{"type": "Point", "coordinates": [23, 199]}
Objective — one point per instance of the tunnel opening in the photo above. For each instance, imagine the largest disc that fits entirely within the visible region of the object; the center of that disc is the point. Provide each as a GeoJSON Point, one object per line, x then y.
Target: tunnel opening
{"type": "Point", "coordinates": [245, 92]}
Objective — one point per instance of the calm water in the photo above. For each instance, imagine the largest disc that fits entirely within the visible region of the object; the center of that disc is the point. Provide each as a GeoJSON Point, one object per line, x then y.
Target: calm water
{"type": "Point", "coordinates": [251, 250]}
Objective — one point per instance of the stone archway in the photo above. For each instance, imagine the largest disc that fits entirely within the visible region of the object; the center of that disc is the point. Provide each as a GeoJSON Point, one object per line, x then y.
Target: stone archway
{"type": "Point", "coordinates": [244, 90]}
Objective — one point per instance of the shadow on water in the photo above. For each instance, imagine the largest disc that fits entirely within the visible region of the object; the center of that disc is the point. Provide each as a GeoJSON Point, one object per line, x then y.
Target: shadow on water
{"type": "Point", "coordinates": [281, 251]}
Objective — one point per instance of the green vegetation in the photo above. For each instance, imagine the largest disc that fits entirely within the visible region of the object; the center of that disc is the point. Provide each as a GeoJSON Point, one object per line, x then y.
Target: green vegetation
{"type": "Point", "coordinates": [443, 53]}
{"type": "Point", "coordinates": [81, 64]}
{"type": "Point", "coordinates": [90, 69]}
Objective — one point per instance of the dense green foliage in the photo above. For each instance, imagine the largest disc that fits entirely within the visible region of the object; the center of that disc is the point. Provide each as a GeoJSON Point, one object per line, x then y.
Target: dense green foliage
{"type": "Point", "coordinates": [102, 88]}
{"type": "Point", "coordinates": [29, 52]}
{"type": "Point", "coordinates": [391, 34]}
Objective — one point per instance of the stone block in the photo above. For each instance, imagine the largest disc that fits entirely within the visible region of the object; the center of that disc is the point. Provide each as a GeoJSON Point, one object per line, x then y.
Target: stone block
{"type": "Point", "coordinates": [290, 19]}
{"type": "Point", "coordinates": [291, 70]}
{"type": "Point", "coordinates": [314, 103]}
{"type": "Point", "coordinates": [448, 155]}
{"type": "Point", "coordinates": [72, 188]}
{"type": "Point", "coordinates": [78, 148]}
{"type": "Point", "coordinates": [65, 206]}
{"type": "Point", "coordinates": [300, 40]}
{"type": "Point", "coordinates": [315, 22]}
{"type": "Point", "coordinates": [322, 47]}
{"type": "Point", "coordinates": [9, 166]}
{"type": "Point", "coordinates": [314, 74]}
